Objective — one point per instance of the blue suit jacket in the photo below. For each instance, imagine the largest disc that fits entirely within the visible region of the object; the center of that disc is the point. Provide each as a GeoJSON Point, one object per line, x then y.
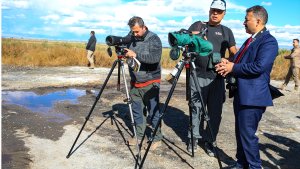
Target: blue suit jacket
{"type": "Point", "coordinates": [253, 71]}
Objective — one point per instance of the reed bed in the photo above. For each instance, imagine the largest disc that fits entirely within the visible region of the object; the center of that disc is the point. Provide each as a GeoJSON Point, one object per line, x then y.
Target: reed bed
{"type": "Point", "coordinates": [21, 52]}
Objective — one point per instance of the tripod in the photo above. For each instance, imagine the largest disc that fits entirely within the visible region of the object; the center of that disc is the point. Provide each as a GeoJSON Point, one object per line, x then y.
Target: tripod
{"type": "Point", "coordinates": [187, 62]}
{"type": "Point", "coordinates": [120, 63]}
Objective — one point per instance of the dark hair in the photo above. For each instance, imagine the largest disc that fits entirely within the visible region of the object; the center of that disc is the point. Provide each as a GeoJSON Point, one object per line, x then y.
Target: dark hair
{"type": "Point", "coordinates": [135, 20]}
{"type": "Point", "coordinates": [296, 40]}
{"type": "Point", "coordinates": [93, 32]}
{"type": "Point", "coordinates": [259, 12]}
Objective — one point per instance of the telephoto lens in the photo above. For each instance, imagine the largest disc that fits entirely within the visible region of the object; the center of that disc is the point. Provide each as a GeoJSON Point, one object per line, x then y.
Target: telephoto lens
{"type": "Point", "coordinates": [117, 40]}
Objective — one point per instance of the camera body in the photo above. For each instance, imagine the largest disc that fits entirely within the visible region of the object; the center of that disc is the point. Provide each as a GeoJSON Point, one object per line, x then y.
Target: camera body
{"type": "Point", "coordinates": [231, 85]}
{"type": "Point", "coordinates": [120, 50]}
{"type": "Point", "coordinates": [230, 79]}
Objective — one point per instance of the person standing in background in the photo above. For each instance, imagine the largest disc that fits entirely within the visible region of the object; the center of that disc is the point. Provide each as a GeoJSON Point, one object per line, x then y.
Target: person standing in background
{"type": "Point", "coordinates": [294, 58]}
{"type": "Point", "coordinates": [91, 47]}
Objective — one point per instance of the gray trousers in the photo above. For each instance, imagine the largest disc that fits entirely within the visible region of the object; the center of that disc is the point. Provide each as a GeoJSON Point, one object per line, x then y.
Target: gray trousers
{"type": "Point", "coordinates": [146, 97]}
{"type": "Point", "coordinates": [213, 95]}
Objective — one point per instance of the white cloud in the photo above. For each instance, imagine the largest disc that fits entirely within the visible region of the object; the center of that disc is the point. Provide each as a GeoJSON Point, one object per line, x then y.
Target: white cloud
{"type": "Point", "coordinates": [15, 4]}
{"type": "Point", "coordinates": [235, 7]}
{"type": "Point", "coordinates": [4, 6]}
{"type": "Point", "coordinates": [83, 31]}
{"type": "Point", "coordinates": [21, 15]}
{"type": "Point", "coordinates": [51, 17]}
{"type": "Point", "coordinates": [111, 17]}
{"type": "Point", "coordinates": [266, 3]}
{"type": "Point", "coordinates": [17, 95]}
{"type": "Point", "coordinates": [285, 34]}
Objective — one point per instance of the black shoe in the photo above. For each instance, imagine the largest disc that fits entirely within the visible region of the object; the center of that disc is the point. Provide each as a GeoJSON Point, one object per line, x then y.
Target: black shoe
{"type": "Point", "coordinates": [189, 148]}
{"type": "Point", "coordinates": [237, 166]}
{"type": "Point", "coordinates": [209, 149]}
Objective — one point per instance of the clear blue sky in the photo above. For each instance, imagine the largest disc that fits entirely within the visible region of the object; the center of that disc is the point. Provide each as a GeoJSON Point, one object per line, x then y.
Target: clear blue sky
{"type": "Point", "coordinates": [73, 20]}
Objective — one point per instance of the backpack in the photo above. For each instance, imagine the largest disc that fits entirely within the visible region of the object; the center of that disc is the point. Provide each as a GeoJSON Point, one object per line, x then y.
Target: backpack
{"type": "Point", "coordinates": [202, 28]}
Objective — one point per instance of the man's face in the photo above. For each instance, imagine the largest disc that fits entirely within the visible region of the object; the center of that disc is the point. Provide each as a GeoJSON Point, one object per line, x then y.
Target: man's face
{"type": "Point", "coordinates": [250, 23]}
{"type": "Point", "coordinates": [138, 31]}
{"type": "Point", "coordinates": [216, 15]}
{"type": "Point", "coordinates": [295, 43]}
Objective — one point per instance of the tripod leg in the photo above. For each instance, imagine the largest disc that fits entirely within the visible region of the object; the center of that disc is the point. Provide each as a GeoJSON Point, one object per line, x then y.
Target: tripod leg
{"type": "Point", "coordinates": [206, 116]}
{"type": "Point", "coordinates": [162, 114]}
{"type": "Point", "coordinates": [188, 88]}
{"type": "Point", "coordinates": [128, 99]}
{"type": "Point", "coordinates": [92, 109]}
{"type": "Point", "coordinates": [188, 95]}
{"type": "Point", "coordinates": [119, 80]}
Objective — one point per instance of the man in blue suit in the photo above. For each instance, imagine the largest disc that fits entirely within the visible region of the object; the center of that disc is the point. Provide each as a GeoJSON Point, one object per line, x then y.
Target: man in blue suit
{"type": "Point", "coordinates": [251, 68]}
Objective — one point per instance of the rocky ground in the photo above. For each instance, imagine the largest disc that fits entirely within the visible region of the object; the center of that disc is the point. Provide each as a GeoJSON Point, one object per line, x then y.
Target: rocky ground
{"type": "Point", "coordinates": [38, 140]}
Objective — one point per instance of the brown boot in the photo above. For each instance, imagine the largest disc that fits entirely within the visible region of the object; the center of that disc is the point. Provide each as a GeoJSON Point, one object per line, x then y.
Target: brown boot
{"type": "Point", "coordinates": [92, 66]}
{"type": "Point", "coordinates": [132, 141]}
{"type": "Point", "coordinates": [155, 145]}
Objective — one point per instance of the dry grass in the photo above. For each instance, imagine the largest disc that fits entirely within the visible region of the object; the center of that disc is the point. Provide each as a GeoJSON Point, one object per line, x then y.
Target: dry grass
{"type": "Point", "coordinates": [281, 65]}
{"type": "Point", "coordinates": [51, 53]}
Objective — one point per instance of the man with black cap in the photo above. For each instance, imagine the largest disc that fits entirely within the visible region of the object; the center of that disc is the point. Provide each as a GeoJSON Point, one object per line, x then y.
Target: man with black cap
{"type": "Point", "coordinates": [212, 85]}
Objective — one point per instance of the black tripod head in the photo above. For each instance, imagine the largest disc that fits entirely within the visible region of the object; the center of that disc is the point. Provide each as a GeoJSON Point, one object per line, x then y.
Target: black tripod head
{"type": "Point", "coordinates": [120, 51]}
{"type": "Point", "coordinates": [187, 55]}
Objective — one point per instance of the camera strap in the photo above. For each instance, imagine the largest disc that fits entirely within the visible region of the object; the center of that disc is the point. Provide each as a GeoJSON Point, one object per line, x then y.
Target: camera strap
{"type": "Point", "coordinates": [205, 30]}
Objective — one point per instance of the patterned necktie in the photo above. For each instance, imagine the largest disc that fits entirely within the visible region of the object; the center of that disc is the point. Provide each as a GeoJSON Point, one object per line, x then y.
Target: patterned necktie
{"type": "Point", "coordinates": [243, 51]}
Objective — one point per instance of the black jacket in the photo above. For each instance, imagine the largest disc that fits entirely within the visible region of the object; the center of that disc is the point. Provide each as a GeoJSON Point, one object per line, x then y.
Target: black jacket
{"type": "Point", "coordinates": [91, 44]}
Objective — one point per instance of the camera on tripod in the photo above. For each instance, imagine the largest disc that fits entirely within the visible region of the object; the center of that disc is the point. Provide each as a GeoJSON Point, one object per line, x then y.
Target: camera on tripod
{"type": "Point", "coordinates": [120, 43]}
{"type": "Point", "coordinates": [192, 45]}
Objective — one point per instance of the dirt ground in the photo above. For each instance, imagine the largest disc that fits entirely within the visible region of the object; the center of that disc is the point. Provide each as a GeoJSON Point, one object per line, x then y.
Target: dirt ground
{"type": "Point", "coordinates": [37, 141]}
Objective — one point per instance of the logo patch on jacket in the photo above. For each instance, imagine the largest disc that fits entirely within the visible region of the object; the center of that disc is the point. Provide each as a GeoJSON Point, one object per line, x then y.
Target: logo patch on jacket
{"type": "Point", "coordinates": [218, 33]}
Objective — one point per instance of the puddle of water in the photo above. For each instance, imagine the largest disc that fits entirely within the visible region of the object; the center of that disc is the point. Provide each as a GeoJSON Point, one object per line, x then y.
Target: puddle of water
{"type": "Point", "coordinates": [43, 104]}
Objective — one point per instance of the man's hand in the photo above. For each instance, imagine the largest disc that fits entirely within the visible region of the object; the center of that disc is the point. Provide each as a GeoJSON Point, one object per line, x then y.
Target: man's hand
{"type": "Point", "coordinates": [224, 67]}
{"type": "Point", "coordinates": [130, 53]}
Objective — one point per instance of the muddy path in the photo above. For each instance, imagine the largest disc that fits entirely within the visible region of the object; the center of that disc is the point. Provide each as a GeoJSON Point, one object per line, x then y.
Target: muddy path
{"type": "Point", "coordinates": [41, 137]}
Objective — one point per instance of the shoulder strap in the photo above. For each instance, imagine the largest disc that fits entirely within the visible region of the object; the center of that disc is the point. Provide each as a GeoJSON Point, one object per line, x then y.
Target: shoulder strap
{"type": "Point", "coordinates": [223, 32]}
{"type": "Point", "coordinates": [200, 27]}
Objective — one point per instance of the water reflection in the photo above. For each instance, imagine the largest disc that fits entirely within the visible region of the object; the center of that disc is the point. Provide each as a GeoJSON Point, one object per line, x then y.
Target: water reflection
{"type": "Point", "coordinates": [43, 103]}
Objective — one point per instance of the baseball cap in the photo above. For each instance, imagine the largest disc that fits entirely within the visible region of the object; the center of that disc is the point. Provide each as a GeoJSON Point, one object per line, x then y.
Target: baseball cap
{"type": "Point", "coordinates": [218, 4]}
